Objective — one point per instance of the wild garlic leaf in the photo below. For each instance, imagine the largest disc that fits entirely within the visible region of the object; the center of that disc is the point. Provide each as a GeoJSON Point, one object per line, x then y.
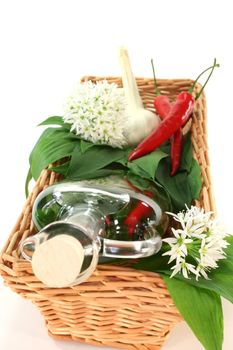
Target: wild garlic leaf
{"type": "Point", "coordinates": [186, 184]}
{"type": "Point", "coordinates": [54, 144]}
{"type": "Point", "coordinates": [93, 159]}
{"type": "Point", "coordinates": [158, 191]}
{"type": "Point", "coordinates": [146, 166]}
{"type": "Point", "coordinates": [201, 309]}
{"type": "Point", "coordinates": [177, 185]}
{"type": "Point", "coordinates": [55, 120]}
{"type": "Point", "coordinates": [187, 154]}
{"type": "Point", "coordinates": [194, 179]}
{"type": "Point", "coordinates": [61, 168]}
{"type": "Point", "coordinates": [28, 179]}
{"type": "Point", "coordinates": [85, 145]}
{"type": "Point", "coordinates": [94, 175]}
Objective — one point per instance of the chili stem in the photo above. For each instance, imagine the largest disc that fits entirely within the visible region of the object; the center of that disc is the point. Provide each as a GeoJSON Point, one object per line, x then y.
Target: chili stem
{"type": "Point", "coordinates": [211, 72]}
{"type": "Point", "coordinates": [195, 82]}
{"type": "Point", "coordinates": [157, 91]}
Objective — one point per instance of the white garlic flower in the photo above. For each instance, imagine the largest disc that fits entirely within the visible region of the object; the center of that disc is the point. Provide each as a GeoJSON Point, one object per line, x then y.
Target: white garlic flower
{"type": "Point", "coordinates": [197, 245]}
{"type": "Point", "coordinates": [96, 112]}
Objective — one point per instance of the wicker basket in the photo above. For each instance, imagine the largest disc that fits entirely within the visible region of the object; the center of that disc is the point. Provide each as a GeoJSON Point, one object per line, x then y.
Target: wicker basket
{"type": "Point", "coordinates": [117, 306]}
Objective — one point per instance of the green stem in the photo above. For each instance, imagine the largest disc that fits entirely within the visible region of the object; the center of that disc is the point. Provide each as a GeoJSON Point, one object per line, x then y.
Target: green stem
{"type": "Point", "coordinates": [157, 92]}
{"type": "Point", "coordinates": [195, 82]}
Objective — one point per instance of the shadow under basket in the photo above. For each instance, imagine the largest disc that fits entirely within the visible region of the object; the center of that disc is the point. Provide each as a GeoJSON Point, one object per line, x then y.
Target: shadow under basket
{"type": "Point", "coordinates": [117, 306]}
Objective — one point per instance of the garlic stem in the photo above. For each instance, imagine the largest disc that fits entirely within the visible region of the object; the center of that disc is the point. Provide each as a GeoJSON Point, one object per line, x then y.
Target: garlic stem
{"type": "Point", "coordinates": [129, 83]}
{"type": "Point", "coordinates": [139, 121]}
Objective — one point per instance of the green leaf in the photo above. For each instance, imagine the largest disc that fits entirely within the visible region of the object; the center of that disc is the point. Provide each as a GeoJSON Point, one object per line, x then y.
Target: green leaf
{"type": "Point", "coordinates": [177, 185]}
{"type": "Point", "coordinates": [201, 309]}
{"type": "Point", "coordinates": [124, 159]}
{"type": "Point", "coordinates": [55, 120]}
{"type": "Point", "coordinates": [155, 263]}
{"type": "Point", "coordinates": [166, 147]}
{"type": "Point", "coordinates": [28, 179]}
{"type": "Point", "coordinates": [61, 168]}
{"type": "Point", "coordinates": [158, 191]}
{"type": "Point", "coordinates": [186, 184]}
{"type": "Point", "coordinates": [53, 145]}
{"type": "Point", "coordinates": [146, 166]}
{"type": "Point", "coordinates": [194, 179]}
{"type": "Point", "coordinates": [95, 158]}
{"type": "Point", "coordinates": [85, 145]}
{"type": "Point", "coordinates": [187, 153]}
{"type": "Point", "coordinates": [94, 175]}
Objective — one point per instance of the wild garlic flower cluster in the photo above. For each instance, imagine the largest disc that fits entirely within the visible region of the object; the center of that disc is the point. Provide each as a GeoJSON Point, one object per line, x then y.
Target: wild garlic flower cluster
{"type": "Point", "coordinates": [198, 244]}
{"type": "Point", "coordinates": [97, 113]}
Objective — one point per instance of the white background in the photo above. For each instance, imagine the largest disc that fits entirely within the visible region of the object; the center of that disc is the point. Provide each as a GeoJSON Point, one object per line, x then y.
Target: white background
{"type": "Point", "coordinates": [46, 46]}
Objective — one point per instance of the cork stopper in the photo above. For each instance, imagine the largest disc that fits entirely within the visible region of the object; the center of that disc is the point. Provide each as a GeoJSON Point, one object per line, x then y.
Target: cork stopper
{"type": "Point", "coordinates": [57, 262]}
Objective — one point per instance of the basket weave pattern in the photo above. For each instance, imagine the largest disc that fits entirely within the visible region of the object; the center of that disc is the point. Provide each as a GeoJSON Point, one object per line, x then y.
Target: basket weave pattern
{"type": "Point", "coordinates": [117, 306]}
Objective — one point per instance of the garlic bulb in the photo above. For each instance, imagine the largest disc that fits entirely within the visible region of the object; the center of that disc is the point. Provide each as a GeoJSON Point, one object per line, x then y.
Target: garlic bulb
{"type": "Point", "coordinates": [140, 122]}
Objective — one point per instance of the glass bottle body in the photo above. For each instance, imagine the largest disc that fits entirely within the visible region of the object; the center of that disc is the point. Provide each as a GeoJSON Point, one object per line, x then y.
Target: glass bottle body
{"type": "Point", "coordinates": [105, 219]}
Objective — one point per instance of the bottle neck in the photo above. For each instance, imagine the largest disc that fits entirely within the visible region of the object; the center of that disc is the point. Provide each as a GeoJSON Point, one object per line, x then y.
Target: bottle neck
{"type": "Point", "coordinates": [87, 218]}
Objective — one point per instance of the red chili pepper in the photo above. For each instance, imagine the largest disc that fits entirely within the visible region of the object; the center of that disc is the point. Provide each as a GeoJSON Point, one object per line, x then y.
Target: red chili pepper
{"type": "Point", "coordinates": [163, 106]}
{"type": "Point", "coordinates": [107, 220]}
{"type": "Point", "coordinates": [184, 104]}
{"type": "Point", "coordinates": [176, 150]}
{"type": "Point", "coordinates": [140, 211]}
{"type": "Point", "coordinates": [178, 116]}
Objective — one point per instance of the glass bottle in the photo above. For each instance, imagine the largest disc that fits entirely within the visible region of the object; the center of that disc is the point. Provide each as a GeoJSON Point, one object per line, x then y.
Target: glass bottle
{"type": "Point", "coordinates": [94, 220]}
